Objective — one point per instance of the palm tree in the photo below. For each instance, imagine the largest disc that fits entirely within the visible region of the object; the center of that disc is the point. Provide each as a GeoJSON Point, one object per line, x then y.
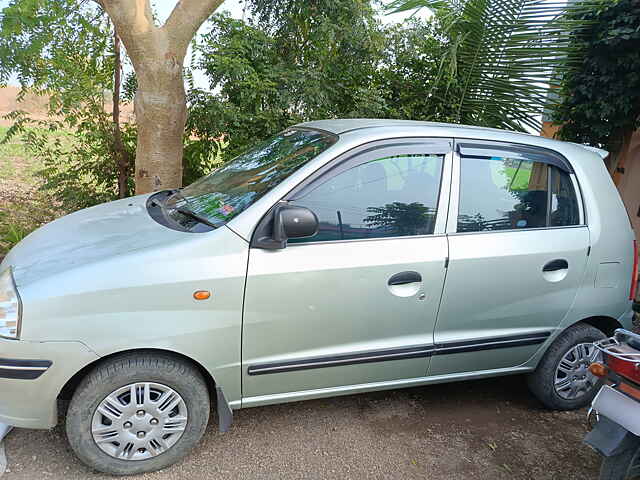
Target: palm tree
{"type": "Point", "coordinates": [501, 58]}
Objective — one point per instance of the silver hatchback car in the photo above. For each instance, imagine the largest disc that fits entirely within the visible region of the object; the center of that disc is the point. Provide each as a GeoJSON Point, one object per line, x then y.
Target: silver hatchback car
{"type": "Point", "coordinates": [337, 257]}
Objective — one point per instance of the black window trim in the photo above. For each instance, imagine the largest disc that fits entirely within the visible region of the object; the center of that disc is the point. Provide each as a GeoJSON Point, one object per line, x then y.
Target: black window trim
{"type": "Point", "coordinates": [488, 149]}
{"type": "Point", "coordinates": [352, 158]}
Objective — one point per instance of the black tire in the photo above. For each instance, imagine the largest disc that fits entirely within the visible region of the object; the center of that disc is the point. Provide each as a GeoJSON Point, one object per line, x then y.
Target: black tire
{"type": "Point", "coordinates": [121, 371]}
{"type": "Point", "coordinates": [619, 467]}
{"type": "Point", "coordinates": [541, 381]}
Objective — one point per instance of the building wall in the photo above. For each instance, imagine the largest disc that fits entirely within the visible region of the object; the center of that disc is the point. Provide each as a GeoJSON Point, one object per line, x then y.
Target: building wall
{"type": "Point", "coordinates": [629, 182]}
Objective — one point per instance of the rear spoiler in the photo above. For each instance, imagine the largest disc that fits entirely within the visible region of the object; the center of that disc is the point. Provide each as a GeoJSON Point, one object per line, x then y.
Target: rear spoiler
{"type": "Point", "coordinates": [601, 153]}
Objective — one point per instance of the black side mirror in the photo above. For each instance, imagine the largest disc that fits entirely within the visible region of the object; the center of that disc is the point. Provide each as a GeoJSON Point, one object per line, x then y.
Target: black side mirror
{"type": "Point", "coordinates": [288, 222]}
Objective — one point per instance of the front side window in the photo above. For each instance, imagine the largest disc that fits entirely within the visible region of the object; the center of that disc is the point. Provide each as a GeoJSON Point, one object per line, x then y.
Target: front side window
{"type": "Point", "coordinates": [231, 189]}
{"type": "Point", "coordinates": [502, 193]}
{"type": "Point", "coordinates": [392, 196]}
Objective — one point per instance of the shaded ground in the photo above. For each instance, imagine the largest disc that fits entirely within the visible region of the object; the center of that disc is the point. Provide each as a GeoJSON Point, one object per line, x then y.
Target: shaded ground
{"type": "Point", "coordinates": [489, 429]}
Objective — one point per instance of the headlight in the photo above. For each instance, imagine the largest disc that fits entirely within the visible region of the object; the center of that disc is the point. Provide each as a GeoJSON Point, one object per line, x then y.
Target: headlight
{"type": "Point", "coordinates": [10, 306]}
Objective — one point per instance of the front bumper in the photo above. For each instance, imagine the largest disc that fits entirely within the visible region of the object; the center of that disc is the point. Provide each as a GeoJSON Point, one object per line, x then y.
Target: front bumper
{"type": "Point", "coordinates": [23, 369]}
{"type": "Point", "coordinates": [32, 375]}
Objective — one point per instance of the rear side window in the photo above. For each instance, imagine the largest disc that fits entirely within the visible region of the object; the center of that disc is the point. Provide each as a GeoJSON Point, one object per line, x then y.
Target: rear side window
{"type": "Point", "coordinates": [502, 193]}
{"type": "Point", "coordinates": [564, 202]}
{"type": "Point", "coordinates": [391, 196]}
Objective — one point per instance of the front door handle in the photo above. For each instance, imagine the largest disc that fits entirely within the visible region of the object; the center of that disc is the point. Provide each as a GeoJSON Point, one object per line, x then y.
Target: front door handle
{"type": "Point", "coordinates": [555, 265]}
{"type": "Point", "coordinates": [404, 278]}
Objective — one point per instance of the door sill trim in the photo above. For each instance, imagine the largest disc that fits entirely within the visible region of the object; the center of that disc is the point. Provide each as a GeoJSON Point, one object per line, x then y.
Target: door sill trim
{"type": "Point", "coordinates": [277, 398]}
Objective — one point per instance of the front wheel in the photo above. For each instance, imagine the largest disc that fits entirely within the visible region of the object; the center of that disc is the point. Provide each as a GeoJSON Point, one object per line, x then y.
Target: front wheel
{"type": "Point", "coordinates": [624, 466]}
{"type": "Point", "coordinates": [137, 413]}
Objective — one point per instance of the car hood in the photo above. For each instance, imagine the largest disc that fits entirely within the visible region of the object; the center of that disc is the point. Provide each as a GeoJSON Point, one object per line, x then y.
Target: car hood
{"type": "Point", "coordinates": [88, 236]}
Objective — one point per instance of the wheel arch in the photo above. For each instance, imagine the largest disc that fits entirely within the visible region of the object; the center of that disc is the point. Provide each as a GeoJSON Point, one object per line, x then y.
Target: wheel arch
{"type": "Point", "coordinates": [70, 387]}
{"type": "Point", "coordinates": [216, 394]}
{"type": "Point", "coordinates": [606, 325]}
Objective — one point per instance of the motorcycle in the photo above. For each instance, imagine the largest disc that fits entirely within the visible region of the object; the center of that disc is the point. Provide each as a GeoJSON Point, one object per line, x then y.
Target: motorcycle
{"type": "Point", "coordinates": [615, 411]}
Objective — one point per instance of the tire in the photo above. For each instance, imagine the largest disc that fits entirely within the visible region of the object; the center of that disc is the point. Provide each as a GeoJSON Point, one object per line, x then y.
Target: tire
{"type": "Point", "coordinates": [156, 379]}
{"type": "Point", "coordinates": [619, 467]}
{"type": "Point", "coordinates": [542, 382]}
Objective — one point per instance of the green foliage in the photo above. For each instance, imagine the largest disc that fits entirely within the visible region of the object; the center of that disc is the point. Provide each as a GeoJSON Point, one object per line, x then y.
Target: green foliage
{"type": "Point", "coordinates": [243, 65]}
{"type": "Point", "coordinates": [478, 62]}
{"type": "Point", "coordinates": [22, 207]}
{"type": "Point", "coordinates": [76, 167]}
{"type": "Point", "coordinates": [64, 50]}
{"type": "Point", "coordinates": [201, 157]}
{"type": "Point", "coordinates": [500, 56]}
{"type": "Point", "coordinates": [332, 47]}
{"type": "Point", "coordinates": [600, 91]}
{"type": "Point", "coordinates": [264, 81]}
{"type": "Point", "coordinates": [59, 49]}
{"type": "Point", "coordinates": [410, 81]}
{"type": "Point", "coordinates": [10, 233]}
{"type": "Point", "coordinates": [311, 60]}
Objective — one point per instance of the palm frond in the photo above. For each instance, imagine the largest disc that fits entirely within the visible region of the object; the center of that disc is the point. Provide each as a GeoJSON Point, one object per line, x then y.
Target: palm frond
{"type": "Point", "coordinates": [505, 54]}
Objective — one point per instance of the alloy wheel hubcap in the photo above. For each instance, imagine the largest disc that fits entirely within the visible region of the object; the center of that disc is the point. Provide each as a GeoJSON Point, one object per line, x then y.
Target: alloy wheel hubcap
{"type": "Point", "coordinates": [573, 378]}
{"type": "Point", "coordinates": [139, 421]}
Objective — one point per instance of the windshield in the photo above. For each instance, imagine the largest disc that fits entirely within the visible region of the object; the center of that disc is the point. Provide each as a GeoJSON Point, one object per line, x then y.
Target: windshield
{"type": "Point", "coordinates": [232, 188]}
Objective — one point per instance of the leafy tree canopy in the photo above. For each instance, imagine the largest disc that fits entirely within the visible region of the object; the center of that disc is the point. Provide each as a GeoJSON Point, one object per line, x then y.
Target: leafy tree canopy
{"type": "Point", "coordinates": [500, 58]}
{"type": "Point", "coordinates": [301, 61]}
{"type": "Point", "coordinates": [61, 49]}
{"type": "Point", "coordinates": [64, 50]}
{"type": "Point", "coordinates": [600, 92]}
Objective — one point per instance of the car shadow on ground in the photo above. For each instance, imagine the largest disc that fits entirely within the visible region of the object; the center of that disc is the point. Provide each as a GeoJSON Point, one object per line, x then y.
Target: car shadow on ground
{"type": "Point", "coordinates": [484, 429]}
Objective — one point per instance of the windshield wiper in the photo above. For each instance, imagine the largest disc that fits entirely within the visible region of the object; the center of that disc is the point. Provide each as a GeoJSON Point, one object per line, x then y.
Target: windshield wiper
{"type": "Point", "coordinates": [195, 216]}
{"type": "Point", "coordinates": [177, 193]}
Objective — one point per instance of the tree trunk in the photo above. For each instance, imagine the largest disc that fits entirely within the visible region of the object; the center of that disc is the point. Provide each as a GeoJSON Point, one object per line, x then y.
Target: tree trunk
{"type": "Point", "coordinates": [161, 112]}
{"type": "Point", "coordinates": [120, 154]}
{"type": "Point", "coordinates": [157, 54]}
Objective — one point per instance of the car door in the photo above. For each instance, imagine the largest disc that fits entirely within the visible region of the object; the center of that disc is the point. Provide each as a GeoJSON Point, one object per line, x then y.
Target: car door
{"type": "Point", "coordinates": [356, 303]}
{"type": "Point", "coordinates": [518, 249]}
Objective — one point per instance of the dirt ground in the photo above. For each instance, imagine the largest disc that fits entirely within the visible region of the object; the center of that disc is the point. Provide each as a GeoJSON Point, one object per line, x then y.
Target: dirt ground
{"type": "Point", "coordinates": [37, 106]}
{"type": "Point", "coordinates": [488, 429]}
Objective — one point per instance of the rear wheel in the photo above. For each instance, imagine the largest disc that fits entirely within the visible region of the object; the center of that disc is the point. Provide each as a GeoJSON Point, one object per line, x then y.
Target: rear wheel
{"type": "Point", "coordinates": [562, 380]}
{"type": "Point", "coordinates": [138, 413]}
{"type": "Point", "coordinates": [624, 466]}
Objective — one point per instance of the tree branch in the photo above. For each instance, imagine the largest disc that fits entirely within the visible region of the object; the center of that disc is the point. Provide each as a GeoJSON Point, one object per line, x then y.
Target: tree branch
{"type": "Point", "coordinates": [133, 20]}
{"type": "Point", "coordinates": [130, 16]}
{"type": "Point", "coordinates": [187, 17]}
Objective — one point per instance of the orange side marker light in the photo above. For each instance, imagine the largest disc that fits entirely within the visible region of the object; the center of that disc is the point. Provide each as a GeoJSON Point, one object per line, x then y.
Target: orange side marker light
{"type": "Point", "coordinates": [202, 295]}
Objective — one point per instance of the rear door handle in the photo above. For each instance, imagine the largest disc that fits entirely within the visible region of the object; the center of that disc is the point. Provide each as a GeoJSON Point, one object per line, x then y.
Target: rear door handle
{"type": "Point", "coordinates": [555, 265]}
{"type": "Point", "coordinates": [404, 278]}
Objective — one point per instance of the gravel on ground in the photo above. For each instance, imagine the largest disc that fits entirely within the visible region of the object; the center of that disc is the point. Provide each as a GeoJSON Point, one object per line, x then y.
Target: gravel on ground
{"type": "Point", "coordinates": [486, 429]}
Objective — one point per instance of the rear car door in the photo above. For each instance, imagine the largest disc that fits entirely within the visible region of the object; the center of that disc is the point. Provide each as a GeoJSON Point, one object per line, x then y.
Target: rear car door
{"type": "Point", "coordinates": [356, 303]}
{"type": "Point", "coordinates": [518, 249]}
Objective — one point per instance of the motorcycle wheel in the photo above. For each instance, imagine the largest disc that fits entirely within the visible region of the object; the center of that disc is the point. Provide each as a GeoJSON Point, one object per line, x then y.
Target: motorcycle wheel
{"type": "Point", "coordinates": [624, 466]}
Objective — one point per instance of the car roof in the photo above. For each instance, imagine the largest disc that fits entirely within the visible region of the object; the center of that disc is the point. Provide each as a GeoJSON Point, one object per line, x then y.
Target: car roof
{"type": "Point", "coordinates": [346, 125]}
{"type": "Point", "coordinates": [339, 126]}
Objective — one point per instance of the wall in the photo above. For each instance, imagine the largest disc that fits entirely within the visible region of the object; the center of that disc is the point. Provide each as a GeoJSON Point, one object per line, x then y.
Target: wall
{"type": "Point", "coordinates": [629, 183]}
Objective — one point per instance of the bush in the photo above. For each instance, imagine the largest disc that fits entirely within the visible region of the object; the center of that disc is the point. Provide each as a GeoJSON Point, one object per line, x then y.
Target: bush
{"type": "Point", "coordinates": [77, 165]}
